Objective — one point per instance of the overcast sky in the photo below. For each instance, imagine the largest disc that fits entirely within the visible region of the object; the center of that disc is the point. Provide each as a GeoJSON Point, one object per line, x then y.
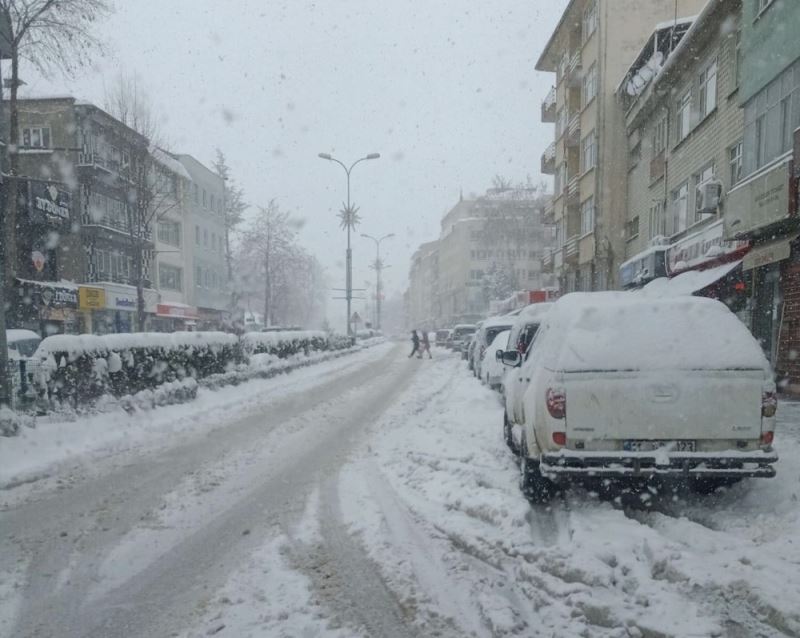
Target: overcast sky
{"type": "Point", "coordinates": [446, 91]}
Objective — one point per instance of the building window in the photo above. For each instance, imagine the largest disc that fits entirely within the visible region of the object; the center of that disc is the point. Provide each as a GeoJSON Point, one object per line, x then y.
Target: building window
{"type": "Point", "coordinates": [197, 235]}
{"type": "Point", "coordinates": [170, 277]}
{"type": "Point", "coordinates": [761, 141]}
{"type": "Point", "coordinates": [660, 136]}
{"type": "Point", "coordinates": [680, 208]}
{"type": "Point", "coordinates": [590, 20]}
{"type": "Point", "coordinates": [657, 220]}
{"type": "Point", "coordinates": [632, 228]}
{"type": "Point", "coordinates": [786, 124]}
{"type": "Point", "coordinates": [682, 116]}
{"type": "Point", "coordinates": [559, 122]}
{"type": "Point", "coordinates": [198, 277]}
{"type": "Point", "coordinates": [208, 278]}
{"type": "Point", "coordinates": [705, 176]}
{"type": "Point", "coordinates": [169, 233]}
{"type": "Point", "coordinates": [708, 89]}
{"type": "Point", "coordinates": [589, 152]}
{"type": "Point", "coordinates": [213, 241]}
{"type": "Point", "coordinates": [36, 137]}
{"type": "Point", "coordinates": [561, 179]}
{"type": "Point", "coordinates": [196, 191]}
{"type": "Point", "coordinates": [587, 216]}
{"type": "Point", "coordinates": [737, 56]}
{"type": "Point", "coordinates": [590, 84]}
{"type": "Point", "coordinates": [205, 237]}
{"type": "Point", "coordinates": [205, 199]}
{"type": "Point", "coordinates": [735, 155]}
{"type": "Point", "coordinates": [211, 202]}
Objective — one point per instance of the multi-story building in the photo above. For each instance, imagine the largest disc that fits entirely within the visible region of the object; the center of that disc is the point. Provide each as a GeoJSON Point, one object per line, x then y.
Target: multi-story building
{"type": "Point", "coordinates": [423, 304]}
{"type": "Point", "coordinates": [204, 246]}
{"type": "Point", "coordinates": [488, 248]}
{"type": "Point", "coordinates": [589, 51]}
{"type": "Point", "coordinates": [79, 161]}
{"type": "Point", "coordinates": [684, 151]}
{"type": "Point", "coordinates": [763, 208]}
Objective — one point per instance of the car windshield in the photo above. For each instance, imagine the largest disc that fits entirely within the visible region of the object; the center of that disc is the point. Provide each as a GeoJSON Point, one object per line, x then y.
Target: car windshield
{"type": "Point", "coordinates": [352, 319]}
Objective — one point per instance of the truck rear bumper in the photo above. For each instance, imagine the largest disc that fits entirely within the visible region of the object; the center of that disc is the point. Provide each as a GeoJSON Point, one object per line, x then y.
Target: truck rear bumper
{"type": "Point", "coordinates": [570, 463]}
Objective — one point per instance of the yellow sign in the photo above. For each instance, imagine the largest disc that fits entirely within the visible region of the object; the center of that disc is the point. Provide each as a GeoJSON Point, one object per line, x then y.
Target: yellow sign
{"type": "Point", "coordinates": [91, 298]}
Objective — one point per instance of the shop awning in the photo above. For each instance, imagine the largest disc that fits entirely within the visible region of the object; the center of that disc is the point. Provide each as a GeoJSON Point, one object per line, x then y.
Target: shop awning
{"type": "Point", "coordinates": [176, 310]}
{"type": "Point", "coordinates": [689, 282]}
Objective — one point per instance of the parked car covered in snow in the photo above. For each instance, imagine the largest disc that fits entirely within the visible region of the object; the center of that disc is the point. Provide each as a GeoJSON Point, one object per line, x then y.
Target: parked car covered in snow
{"type": "Point", "coordinates": [441, 337]}
{"type": "Point", "coordinates": [625, 386]}
{"type": "Point", "coordinates": [488, 331]}
{"type": "Point", "coordinates": [461, 335]}
{"type": "Point", "coordinates": [492, 369]}
{"type": "Point", "coordinates": [468, 351]}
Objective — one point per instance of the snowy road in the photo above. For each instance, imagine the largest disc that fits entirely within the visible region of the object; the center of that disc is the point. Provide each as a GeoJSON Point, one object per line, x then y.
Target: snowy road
{"type": "Point", "coordinates": [373, 496]}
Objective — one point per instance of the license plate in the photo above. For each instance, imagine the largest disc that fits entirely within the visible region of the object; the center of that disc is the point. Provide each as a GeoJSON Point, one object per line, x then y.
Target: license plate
{"type": "Point", "coordinates": [650, 446]}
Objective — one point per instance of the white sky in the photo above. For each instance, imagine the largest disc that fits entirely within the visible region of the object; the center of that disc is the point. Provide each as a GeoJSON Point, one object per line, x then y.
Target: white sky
{"type": "Point", "coordinates": [446, 91]}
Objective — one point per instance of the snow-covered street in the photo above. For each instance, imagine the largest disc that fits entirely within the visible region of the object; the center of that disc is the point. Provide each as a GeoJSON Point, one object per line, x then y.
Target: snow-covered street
{"type": "Point", "coordinates": [373, 495]}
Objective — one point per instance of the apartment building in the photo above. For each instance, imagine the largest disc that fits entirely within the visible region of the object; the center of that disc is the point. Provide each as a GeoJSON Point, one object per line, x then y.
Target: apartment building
{"type": "Point", "coordinates": [204, 253]}
{"type": "Point", "coordinates": [589, 52]}
{"type": "Point", "coordinates": [488, 248]}
{"type": "Point", "coordinates": [684, 151]}
{"type": "Point", "coordinates": [763, 207]}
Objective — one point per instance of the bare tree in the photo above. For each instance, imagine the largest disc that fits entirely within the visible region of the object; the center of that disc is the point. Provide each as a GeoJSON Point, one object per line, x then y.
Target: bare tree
{"type": "Point", "coordinates": [235, 206]}
{"type": "Point", "coordinates": [154, 177]}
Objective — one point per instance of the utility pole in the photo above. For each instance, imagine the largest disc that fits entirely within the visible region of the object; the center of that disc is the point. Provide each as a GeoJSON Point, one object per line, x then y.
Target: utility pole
{"type": "Point", "coordinates": [349, 219]}
{"type": "Point", "coordinates": [5, 382]}
{"type": "Point", "coordinates": [378, 266]}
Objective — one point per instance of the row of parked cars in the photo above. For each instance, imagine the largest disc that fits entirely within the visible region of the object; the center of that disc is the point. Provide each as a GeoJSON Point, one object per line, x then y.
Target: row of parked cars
{"type": "Point", "coordinates": [601, 387]}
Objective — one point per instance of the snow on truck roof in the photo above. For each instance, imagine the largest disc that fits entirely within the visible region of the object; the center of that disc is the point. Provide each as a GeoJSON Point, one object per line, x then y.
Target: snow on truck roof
{"type": "Point", "coordinates": [621, 331]}
{"type": "Point", "coordinates": [494, 322]}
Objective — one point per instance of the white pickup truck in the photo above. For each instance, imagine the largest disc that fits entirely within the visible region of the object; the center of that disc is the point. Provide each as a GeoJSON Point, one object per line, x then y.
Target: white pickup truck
{"type": "Point", "coordinates": [620, 385]}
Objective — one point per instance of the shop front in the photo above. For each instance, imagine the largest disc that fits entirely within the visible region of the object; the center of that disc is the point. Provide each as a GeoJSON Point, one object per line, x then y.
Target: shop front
{"type": "Point", "coordinates": [119, 311]}
{"type": "Point", "coordinates": [212, 319]}
{"type": "Point", "coordinates": [45, 307]}
{"type": "Point", "coordinates": [174, 317]}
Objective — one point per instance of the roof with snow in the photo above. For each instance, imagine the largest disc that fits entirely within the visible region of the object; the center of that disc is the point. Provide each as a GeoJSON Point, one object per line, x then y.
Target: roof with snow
{"type": "Point", "coordinates": [168, 161]}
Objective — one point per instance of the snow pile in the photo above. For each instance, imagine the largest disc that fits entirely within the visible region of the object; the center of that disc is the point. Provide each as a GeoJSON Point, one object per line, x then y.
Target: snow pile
{"type": "Point", "coordinates": [286, 343]}
{"type": "Point", "coordinates": [434, 499]}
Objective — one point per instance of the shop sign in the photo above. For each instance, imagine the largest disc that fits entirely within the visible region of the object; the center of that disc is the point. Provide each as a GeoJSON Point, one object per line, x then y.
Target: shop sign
{"type": "Point", "coordinates": [91, 298]}
{"type": "Point", "coordinates": [54, 296]}
{"type": "Point", "coordinates": [758, 202]}
{"type": "Point", "coordinates": [176, 312]}
{"type": "Point", "coordinates": [49, 201]}
{"type": "Point", "coordinates": [703, 247]}
{"type": "Point", "coordinates": [123, 303]}
{"type": "Point", "coordinates": [768, 253]}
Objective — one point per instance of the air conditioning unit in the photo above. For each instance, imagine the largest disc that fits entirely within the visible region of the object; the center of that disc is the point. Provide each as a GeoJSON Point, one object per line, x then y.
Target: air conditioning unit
{"type": "Point", "coordinates": [708, 196]}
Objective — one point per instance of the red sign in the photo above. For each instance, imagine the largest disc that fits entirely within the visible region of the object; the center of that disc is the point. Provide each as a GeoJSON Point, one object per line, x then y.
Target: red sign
{"type": "Point", "coordinates": [703, 248]}
{"type": "Point", "coordinates": [176, 311]}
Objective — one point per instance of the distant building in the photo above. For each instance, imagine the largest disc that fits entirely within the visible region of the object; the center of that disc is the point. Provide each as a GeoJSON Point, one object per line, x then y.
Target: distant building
{"type": "Point", "coordinates": [488, 248]}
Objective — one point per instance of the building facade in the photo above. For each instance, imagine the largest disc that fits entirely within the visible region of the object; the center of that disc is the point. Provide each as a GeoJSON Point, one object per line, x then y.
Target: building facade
{"type": "Point", "coordinates": [762, 209]}
{"type": "Point", "coordinates": [204, 248]}
{"type": "Point", "coordinates": [589, 52]}
{"type": "Point", "coordinates": [684, 140]}
{"type": "Point", "coordinates": [423, 304]}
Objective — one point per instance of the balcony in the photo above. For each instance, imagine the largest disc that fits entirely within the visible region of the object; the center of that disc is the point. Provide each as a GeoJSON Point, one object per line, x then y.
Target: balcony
{"type": "Point", "coordinates": [549, 160]}
{"type": "Point", "coordinates": [120, 226]}
{"type": "Point", "coordinates": [573, 190]}
{"type": "Point", "coordinates": [574, 131]}
{"type": "Point", "coordinates": [574, 72]}
{"type": "Point", "coordinates": [548, 215]}
{"type": "Point", "coordinates": [103, 165]}
{"type": "Point", "coordinates": [549, 107]}
{"type": "Point", "coordinates": [570, 250]}
{"type": "Point", "coordinates": [547, 261]}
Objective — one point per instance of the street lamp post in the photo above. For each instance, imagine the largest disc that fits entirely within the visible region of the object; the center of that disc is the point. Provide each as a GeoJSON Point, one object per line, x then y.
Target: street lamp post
{"type": "Point", "coordinates": [379, 266]}
{"type": "Point", "coordinates": [349, 220]}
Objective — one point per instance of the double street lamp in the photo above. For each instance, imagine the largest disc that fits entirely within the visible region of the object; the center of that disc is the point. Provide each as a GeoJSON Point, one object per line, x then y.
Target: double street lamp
{"type": "Point", "coordinates": [378, 266]}
{"type": "Point", "coordinates": [349, 220]}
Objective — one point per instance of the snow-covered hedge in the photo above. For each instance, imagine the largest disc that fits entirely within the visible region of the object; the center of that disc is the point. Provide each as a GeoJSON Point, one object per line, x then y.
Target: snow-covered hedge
{"type": "Point", "coordinates": [77, 369]}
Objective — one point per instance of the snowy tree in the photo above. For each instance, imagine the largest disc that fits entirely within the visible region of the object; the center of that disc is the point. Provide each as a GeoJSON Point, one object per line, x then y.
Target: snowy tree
{"type": "Point", "coordinates": [154, 190]}
{"type": "Point", "coordinates": [235, 205]}
{"type": "Point", "coordinates": [499, 282]}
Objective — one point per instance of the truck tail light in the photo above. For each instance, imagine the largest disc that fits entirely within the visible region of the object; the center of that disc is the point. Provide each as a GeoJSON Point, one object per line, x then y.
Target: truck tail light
{"type": "Point", "coordinates": [556, 403]}
{"type": "Point", "coordinates": [767, 438]}
{"type": "Point", "coordinates": [560, 438]}
{"type": "Point", "coordinates": [769, 404]}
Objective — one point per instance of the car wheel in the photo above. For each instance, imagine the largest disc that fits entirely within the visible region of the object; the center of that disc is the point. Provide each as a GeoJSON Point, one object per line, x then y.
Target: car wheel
{"type": "Point", "coordinates": [507, 434]}
{"type": "Point", "coordinates": [535, 487]}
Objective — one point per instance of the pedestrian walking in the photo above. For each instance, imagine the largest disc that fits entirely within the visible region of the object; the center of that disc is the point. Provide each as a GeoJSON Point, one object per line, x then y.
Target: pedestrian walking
{"type": "Point", "coordinates": [415, 341]}
{"type": "Point", "coordinates": [426, 345]}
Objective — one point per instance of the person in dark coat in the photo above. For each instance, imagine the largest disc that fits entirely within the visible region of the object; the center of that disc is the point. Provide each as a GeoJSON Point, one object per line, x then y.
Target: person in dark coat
{"type": "Point", "coordinates": [415, 341]}
{"type": "Point", "coordinates": [426, 345]}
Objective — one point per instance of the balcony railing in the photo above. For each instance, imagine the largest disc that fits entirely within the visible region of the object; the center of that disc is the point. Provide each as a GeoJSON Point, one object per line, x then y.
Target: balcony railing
{"type": "Point", "coordinates": [570, 249]}
{"type": "Point", "coordinates": [549, 211]}
{"type": "Point", "coordinates": [574, 70]}
{"type": "Point", "coordinates": [547, 260]}
{"type": "Point", "coordinates": [118, 225]}
{"type": "Point", "coordinates": [95, 160]}
{"type": "Point", "coordinates": [574, 130]}
{"type": "Point", "coordinates": [549, 106]}
{"type": "Point", "coordinates": [549, 160]}
{"type": "Point", "coordinates": [574, 188]}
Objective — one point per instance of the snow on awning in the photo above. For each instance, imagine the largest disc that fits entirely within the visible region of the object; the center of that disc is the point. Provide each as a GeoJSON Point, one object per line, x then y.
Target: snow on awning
{"type": "Point", "coordinates": [689, 282]}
